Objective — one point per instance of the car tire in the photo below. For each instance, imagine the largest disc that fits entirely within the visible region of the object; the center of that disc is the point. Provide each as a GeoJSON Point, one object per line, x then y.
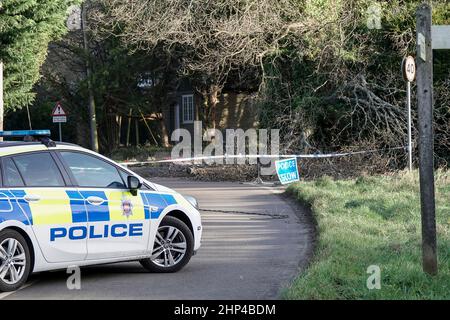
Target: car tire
{"type": "Point", "coordinates": [15, 260]}
{"type": "Point", "coordinates": [173, 247]}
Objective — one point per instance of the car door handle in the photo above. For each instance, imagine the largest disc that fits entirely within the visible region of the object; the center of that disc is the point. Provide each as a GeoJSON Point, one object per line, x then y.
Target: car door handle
{"type": "Point", "coordinates": [96, 201]}
{"type": "Point", "coordinates": [32, 198]}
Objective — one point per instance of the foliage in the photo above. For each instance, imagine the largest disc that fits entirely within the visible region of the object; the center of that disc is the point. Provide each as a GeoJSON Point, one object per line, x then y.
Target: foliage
{"type": "Point", "coordinates": [216, 42]}
{"type": "Point", "coordinates": [116, 75]}
{"type": "Point", "coordinates": [325, 79]}
{"type": "Point", "coordinates": [345, 87]}
{"type": "Point", "coordinates": [372, 221]}
{"type": "Point", "coordinates": [26, 28]}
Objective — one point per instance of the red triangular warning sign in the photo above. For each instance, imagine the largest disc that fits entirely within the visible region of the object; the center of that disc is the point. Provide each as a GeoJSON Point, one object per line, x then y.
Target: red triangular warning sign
{"type": "Point", "coordinates": [58, 111]}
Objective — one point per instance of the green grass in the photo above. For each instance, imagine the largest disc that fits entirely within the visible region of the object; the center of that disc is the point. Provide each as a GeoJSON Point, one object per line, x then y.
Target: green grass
{"type": "Point", "coordinates": [372, 221]}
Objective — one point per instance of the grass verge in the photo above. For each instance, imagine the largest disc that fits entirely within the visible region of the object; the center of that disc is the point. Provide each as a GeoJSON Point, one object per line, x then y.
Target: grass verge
{"type": "Point", "coordinates": [372, 221]}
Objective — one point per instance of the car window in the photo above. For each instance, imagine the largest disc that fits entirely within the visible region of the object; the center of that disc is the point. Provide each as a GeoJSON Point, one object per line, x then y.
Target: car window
{"type": "Point", "coordinates": [125, 179]}
{"type": "Point", "coordinates": [39, 170]}
{"type": "Point", "coordinates": [11, 176]}
{"type": "Point", "coordinates": [90, 171]}
{"type": "Point", "coordinates": [124, 175]}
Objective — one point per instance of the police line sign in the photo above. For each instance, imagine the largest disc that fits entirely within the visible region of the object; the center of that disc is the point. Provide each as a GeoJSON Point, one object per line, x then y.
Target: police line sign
{"type": "Point", "coordinates": [287, 170]}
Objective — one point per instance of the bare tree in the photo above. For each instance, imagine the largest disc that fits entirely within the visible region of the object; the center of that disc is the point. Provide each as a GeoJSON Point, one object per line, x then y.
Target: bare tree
{"type": "Point", "coordinates": [211, 38]}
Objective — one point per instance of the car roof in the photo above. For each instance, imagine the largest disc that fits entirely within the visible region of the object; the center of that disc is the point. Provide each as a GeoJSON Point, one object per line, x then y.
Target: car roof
{"type": "Point", "coordinates": [4, 144]}
{"type": "Point", "coordinates": [16, 147]}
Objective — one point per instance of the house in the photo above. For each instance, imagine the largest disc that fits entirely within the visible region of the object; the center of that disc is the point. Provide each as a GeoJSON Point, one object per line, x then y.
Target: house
{"type": "Point", "coordinates": [234, 110]}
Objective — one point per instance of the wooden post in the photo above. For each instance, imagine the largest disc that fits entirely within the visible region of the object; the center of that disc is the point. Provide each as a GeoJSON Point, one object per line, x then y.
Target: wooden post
{"type": "Point", "coordinates": [148, 127]}
{"type": "Point", "coordinates": [119, 133]}
{"type": "Point", "coordinates": [137, 131]}
{"type": "Point", "coordinates": [29, 118]}
{"type": "Point", "coordinates": [426, 150]}
{"type": "Point", "coordinates": [129, 127]}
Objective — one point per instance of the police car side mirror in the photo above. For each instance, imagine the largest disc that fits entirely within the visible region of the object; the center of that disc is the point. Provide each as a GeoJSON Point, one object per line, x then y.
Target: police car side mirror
{"type": "Point", "coordinates": [133, 184]}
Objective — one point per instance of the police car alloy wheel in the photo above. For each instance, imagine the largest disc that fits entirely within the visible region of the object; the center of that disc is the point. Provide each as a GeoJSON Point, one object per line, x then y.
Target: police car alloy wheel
{"type": "Point", "coordinates": [14, 260]}
{"type": "Point", "coordinates": [173, 247]}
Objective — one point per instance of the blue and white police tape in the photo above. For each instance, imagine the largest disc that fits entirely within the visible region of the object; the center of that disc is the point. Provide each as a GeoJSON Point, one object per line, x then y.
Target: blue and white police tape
{"type": "Point", "coordinates": [277, 156]}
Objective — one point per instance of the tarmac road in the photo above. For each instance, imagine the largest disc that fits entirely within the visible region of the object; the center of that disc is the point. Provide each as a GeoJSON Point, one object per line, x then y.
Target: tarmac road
{"type": "Point", "coordinates": [242, 256]}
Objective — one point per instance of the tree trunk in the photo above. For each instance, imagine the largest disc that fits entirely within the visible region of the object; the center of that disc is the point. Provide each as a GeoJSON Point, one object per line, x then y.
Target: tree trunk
{"type": "Point", "coordinates": [119, 135]}
{"type": "Point", "coordinates": [129, 128]}
{"type": "Point", "coordinates": [164, 133]}
{"type": "Point", "coordinates": [213, 101]}
{"type": "Point", "coordinates": [205, 113]}
{"type": "Point", "coordinates": [82, 131]}
{"type": "Point", "coordinates": [111, 126]}
{"type": "Point", "coordinates": [137, 132]}
{"type": "Point", "coordinates": [91, 104]}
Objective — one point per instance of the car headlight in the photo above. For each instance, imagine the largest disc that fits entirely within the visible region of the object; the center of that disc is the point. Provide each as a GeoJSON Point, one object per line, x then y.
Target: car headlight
{"type": "Point", "coordinates": [192, 201]}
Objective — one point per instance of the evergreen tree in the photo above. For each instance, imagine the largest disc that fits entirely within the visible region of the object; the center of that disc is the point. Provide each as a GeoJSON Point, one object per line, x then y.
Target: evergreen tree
{"type": "Point", "coordinates": [26, 28]}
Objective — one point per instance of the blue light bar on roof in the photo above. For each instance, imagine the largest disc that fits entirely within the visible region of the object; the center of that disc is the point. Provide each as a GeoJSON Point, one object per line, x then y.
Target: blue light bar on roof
{"type": "Point", "coordinates": [24, 133]}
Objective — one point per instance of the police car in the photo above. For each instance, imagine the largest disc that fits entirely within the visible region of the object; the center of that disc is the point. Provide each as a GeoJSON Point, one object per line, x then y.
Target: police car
{"type": "Point", "coordinates": [62, 205]}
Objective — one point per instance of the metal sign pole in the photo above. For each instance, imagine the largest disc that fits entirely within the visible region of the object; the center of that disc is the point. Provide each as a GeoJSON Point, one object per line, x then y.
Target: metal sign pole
{"type": "Point", "coordinates": [410, 147]}
{"type": "Point", "coordinates": [426, 150]}
{"type": "Point", "coordinates": [60, 132]}
{"type": "Point", "coordinates": [409, 74]}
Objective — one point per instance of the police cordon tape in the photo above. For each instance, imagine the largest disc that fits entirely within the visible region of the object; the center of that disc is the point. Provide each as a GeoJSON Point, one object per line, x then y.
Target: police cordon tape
{"type": "Point", "coordinates": [278, 156]}
{"type": "Point", "coordinates": [269, 215]}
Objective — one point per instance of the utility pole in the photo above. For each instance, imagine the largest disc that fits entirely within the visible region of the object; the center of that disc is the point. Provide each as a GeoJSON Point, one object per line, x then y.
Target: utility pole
{"type": "Point", "coordinates": [92, 117]}
{"type": "Point", "coordinates": [1, 98]}
{"type": "Point", "coordinates": [426, 150]}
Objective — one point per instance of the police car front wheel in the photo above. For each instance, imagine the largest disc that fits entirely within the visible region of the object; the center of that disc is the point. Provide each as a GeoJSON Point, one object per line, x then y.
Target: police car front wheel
{"type": "Point", "coordinates": [15, 260]}
{"type": "Point", "coordinates": [173, 248]}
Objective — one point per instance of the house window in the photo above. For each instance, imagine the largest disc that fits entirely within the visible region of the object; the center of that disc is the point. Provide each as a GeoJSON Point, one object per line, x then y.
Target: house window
{"type": "Point", "coordinates": [188, 108]}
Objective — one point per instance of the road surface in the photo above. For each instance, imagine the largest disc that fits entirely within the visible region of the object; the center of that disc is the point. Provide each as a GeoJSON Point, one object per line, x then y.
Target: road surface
{"type": "Point", "coordinates": [242, 256]}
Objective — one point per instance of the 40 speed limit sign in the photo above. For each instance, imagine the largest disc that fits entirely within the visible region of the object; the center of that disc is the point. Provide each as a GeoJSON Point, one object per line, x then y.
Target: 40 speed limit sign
{"type": "Point", "coordinates": [409, 69]}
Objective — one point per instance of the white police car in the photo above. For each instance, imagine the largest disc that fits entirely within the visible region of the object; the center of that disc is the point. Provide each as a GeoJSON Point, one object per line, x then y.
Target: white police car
{"type": "Point", "coordinates": [62, 205]}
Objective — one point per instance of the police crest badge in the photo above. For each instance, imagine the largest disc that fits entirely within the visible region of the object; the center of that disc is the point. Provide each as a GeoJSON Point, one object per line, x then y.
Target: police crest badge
{"type": "Point", "coordinates": [127, 208]}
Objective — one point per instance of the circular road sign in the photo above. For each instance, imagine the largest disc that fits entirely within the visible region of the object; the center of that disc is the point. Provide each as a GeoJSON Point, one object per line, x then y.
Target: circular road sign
{"type": "Point", "coordinates": [409, 69]}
